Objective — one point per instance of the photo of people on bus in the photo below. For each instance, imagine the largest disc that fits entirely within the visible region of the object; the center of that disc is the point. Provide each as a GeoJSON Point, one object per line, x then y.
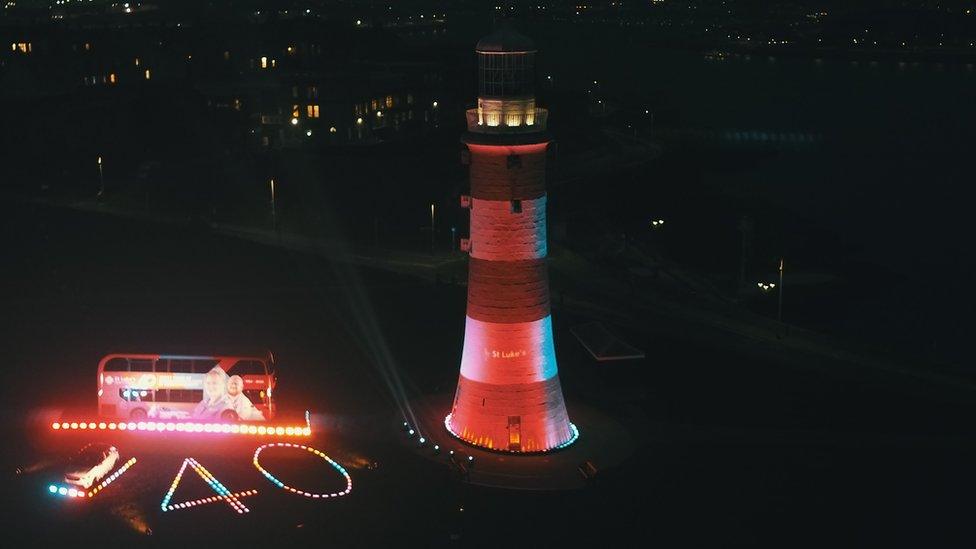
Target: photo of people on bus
{"type": "Point", "coordinates": [215, 400]}
{"type": "Point", "coordinates": [224, 399]}
{"type": "Point", "coordinates": [239, 402]}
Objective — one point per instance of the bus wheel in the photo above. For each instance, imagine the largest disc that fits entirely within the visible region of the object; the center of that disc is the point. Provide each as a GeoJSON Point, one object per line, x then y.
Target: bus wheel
{"type": "Point", "coordinates": [138, 413]}
{"type": "Point", "coordinates": [228, 415]}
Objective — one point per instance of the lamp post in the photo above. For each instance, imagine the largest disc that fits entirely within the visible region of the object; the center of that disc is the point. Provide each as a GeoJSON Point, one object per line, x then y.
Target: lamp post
{"type": "Point", "coordinates": [779, 308]}
{"type": "Point", "coordinates": [431, 227]}
{"type": "Point", "coordinates": [274, 219]}
{"type": "Point", "coordinates": [101, 178]}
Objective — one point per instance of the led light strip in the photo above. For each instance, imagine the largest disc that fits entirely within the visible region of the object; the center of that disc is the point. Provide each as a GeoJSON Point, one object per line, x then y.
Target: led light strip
{"type": "Point", "coordinates": [76, 493]}
{"type": "Point", "coordinates": [184, 427]}
{"type": "Point", "coordinates": [572, 439]}
{"type": "Point", "coordinates": [285, 487]}
{"type": "Point", "coordinates": [172, 487]}
{"type": "Point", "coordinates": [212, 499]}
{"type": "Point", "coordinates": [207, 477]}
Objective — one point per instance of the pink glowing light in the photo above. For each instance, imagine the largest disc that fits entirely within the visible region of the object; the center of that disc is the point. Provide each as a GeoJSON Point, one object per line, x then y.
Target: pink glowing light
{"type": "Point", "coordinates": [189, 427]}
{"type": "Point", "coordinates": [223, 494]}
{"type": "Point", "coordinates": [283, 486]}
{"type": "Point", "coordinates": [76, 493]}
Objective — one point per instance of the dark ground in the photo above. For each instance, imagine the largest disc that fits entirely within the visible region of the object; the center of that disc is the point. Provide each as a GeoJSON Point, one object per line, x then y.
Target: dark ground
{"type": "Point", "coordinates": [736, 445]}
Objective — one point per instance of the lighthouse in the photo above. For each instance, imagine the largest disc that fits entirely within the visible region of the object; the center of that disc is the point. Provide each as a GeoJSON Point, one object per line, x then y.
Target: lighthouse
{"type": "Point", "coordinates": [508, 395]}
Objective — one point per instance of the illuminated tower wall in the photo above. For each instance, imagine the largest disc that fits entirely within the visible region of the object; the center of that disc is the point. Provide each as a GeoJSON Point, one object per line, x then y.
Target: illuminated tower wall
{"type": "Point", "coordinates": [508, 396]}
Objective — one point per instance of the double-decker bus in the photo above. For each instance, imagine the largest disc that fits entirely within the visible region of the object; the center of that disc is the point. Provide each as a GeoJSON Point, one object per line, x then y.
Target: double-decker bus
{"type": "Point", "coordinates": [170, 387]}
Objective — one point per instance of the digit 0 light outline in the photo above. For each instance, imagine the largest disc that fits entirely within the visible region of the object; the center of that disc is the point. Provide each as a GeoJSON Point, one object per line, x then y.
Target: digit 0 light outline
{"type": "Point", "coordinates": [283, 486]}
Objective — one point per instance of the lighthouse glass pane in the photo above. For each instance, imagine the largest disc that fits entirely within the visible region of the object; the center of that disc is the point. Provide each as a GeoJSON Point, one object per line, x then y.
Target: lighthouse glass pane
{"type": "Point", "coordinates": [506, 75]}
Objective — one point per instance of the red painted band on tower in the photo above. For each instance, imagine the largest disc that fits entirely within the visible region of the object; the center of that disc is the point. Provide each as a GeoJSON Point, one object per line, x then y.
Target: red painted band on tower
{"type": "Point", "coordinates": [508, 172]}
{"type": "Point", "coordinates": [508, 291]}
{"type": "Point", "coordinates": [500, 234]}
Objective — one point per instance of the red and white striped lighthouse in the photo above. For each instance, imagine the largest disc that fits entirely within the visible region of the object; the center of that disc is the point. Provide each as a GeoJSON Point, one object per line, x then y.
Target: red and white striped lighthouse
{"type": "Point", "coordinates": [508, 396]}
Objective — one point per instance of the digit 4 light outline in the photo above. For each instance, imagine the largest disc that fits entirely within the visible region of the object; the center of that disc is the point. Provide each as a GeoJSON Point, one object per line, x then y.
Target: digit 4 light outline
{"type": "Point", "coordinates": [223, 494]}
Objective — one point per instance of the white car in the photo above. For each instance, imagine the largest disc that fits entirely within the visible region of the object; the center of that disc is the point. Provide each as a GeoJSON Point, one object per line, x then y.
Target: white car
{"type": "Point", "coordinates": [91, 464]}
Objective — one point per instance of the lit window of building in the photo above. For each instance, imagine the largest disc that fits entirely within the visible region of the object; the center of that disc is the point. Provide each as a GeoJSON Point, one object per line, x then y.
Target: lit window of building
{"type": "Point", "coordinates": [295, 111]}
{"type": "Point", "coordinates": [313, 111]}
{"type": "Point", "coordinates": [374, 104]}
{"type": "Point", "coordinates": [313, 92]}
{"type": "Point", "coordinates": [111, 78]}
{"type": "Point", "coordinates": [237, 104]}
{"type": "Point", "coordinates": [389, 101]}
{"type": "Point", "coordinates": [147, 74]}
{"type": "Point", "coordinates": [87, 46]}
{"type": "Point", "coordinates": [137, 61]}
{"type": "Point", "coordinates": [264, 62]}
{"type": "Point", "coordinates": [274, 63]}
{"type": "Point", "coordinates": [22, 47]}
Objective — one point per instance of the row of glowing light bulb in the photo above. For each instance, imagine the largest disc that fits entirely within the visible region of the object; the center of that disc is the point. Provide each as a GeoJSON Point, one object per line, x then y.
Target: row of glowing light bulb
{"type": "Point", "coordinates": [279, 484]}
{"type": "Point", "coordinates": [75, 493]}
{"type": "Point", "coordinates": [218, 487]}
{"type": "Point", "coordinates": [212, 499]}
{"type": "Point", "coordinates": [447, 425]}
{"type": "Point", "coordinates": [232, 428]}
{"type": "Point", "coordinates": [223, 494]}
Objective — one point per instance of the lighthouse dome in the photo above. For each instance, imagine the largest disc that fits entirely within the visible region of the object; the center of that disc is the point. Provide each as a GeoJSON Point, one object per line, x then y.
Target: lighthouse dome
{"type": "Point", "coordinates": [505, 40]}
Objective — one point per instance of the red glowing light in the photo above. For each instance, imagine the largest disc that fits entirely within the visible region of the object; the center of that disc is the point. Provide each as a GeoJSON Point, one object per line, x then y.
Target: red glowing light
{"type": "Point", "coordinates": [508, 394]}
{"type": "Point", "coordinates": [188, 427]}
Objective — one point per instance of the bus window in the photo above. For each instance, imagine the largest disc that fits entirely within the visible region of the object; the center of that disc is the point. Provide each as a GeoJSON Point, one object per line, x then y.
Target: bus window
{"type": "Point", "coordinates": [185, 395]}
{"type": "Point", "coordinates": [203, 366]}
{"type": "Point", "coordinates": [179, 366]}
{"type": "Point", "coordinates": [162, 365]}
{"type": "Point", "coordinates": [140, 365]}
{"type": "Point", "coordinates": [117, 365]}
{"type": "Point", "coordinates": [247, 367]}
{"type": "Point", "coordinates": [136, 395]}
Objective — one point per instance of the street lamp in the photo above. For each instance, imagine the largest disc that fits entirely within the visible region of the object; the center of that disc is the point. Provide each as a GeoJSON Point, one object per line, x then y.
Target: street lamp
{"type": "Point", "coordinates": [431, 227]}
{"type": "Point", "coordinates": [779, 308]}
{"type": "Point", "coordinates": [101, 178]}
{"type": "Point", "coordinates": [657, 223]}
{"type": "Point", "coordinates": [274, 218]}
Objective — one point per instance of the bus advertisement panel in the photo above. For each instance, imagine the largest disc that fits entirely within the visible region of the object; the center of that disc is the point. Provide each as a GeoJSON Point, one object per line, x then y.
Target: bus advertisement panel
{"type": "Point", "coordinates": [171, 387]}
